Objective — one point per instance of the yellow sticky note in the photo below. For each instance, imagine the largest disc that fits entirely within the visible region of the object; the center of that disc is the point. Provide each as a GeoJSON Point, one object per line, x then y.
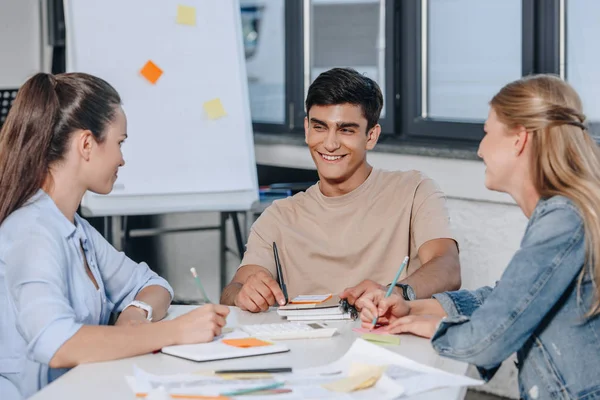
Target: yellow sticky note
{"type": "Point", "coordinates": [186, 15]}
{"type": "Point", "coordinates": [246, 342]}
{"type": "Point", "coordinates": [381, 339]}
{"type": "Point", "coordinates": [214, 109]}
{"type": "Point", "coordinates": [151, 72]}
{"type": "Point", "coordinates": [360, 376]}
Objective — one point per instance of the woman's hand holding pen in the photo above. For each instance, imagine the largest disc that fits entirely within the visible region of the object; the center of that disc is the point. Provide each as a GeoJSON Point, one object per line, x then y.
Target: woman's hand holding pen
{"type": "Point", "coordinates": [259, 293]}
{"type": "Point", "coordinates": [375, 304]}
{"type": "Point", "coordinates": [200, 325]}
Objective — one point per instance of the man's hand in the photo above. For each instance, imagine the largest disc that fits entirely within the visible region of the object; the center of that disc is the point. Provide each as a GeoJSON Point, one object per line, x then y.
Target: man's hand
{"type": "Point", "coordinates": [259, 293]}
{"type": "Point", "coordinates": [132, 316]}
{"type": "Point", "coordinates": [364, 288]}
{"type": "Point", "coordinates": [388, 310]}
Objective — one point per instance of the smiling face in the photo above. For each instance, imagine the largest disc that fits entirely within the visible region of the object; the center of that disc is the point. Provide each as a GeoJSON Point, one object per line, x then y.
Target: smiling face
{"type": "Point", "coordinates": [105, 157]}
{"type": "Point", "coordinates": [338, 141]}
{"type": "Point", "coordinates": [500, 149]}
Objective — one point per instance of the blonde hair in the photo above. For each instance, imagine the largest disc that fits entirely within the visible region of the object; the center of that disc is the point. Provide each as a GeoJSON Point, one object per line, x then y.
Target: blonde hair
{"type": "Point", "coordinates": [565, 158]}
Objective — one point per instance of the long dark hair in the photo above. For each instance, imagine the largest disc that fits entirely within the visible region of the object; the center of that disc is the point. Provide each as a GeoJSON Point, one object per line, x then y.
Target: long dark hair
{"type": "Point", "coordinates": [46, 111]}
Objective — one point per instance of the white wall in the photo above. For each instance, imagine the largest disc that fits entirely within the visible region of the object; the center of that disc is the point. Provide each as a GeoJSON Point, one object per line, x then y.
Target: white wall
{"type": "Point", "coordinates": [488, 225]}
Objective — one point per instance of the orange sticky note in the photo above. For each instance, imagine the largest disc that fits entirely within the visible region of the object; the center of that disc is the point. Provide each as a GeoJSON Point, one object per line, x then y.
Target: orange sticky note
{"type": "Point", "coordinates": [151, 72]}
{"type": "Point", "coordinates": [186, 15]}
{"type": "Point", "coordinates": [246, 342]}
{"type": "Point", "coordinates": [214, 109]}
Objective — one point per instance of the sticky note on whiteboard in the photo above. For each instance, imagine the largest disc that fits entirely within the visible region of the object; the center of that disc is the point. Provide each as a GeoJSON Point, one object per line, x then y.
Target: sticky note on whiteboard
{"type": "Point", "coordinates": [151, 72]}
{"type": "Point", "coordinates": [186, 15]}
{"type": "Point", "coordinates": [214, 109]}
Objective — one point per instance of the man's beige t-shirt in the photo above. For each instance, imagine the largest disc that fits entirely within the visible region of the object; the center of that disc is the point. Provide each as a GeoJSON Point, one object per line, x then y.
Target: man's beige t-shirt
{"type": "Point", "coordinates": [327, 244]}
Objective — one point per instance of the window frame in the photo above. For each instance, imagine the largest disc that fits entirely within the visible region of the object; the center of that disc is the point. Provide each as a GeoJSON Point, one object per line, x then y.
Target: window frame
{"type": "Point", "coordinates": [413, 124]}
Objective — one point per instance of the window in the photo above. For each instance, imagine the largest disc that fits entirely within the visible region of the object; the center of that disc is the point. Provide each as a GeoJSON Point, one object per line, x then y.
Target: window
{"type": "Point", "coordinates": [264, 44]}
{"type": "Point", "coordinates": [348, 34]}
{"type": "Point", "coordinates": [472, 51]}
{"type": "Point", "coordinates": [582, 59]}
{"type": "Point", "coordinates": [438, 62]}
{"type": "Point", "coordinates": [462, 52]}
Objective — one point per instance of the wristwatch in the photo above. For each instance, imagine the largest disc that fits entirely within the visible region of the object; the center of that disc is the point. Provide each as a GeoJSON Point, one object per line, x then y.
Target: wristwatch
{"type": "Point", "coordinates": [407, 291]}
{"type": "Point", "coordinates": [144, 306]}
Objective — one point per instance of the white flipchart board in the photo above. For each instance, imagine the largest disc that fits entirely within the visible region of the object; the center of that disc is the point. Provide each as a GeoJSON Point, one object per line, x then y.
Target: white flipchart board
{"type": "Point", "coordinates": [177, 158]}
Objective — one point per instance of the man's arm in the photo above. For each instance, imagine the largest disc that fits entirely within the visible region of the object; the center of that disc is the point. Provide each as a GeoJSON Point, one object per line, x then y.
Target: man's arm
{"type": "Point", "coordinates": [440, 269]}
{"type": "Point", "coordinates": [253, 289]}
{"type": "Point", "coordinates": [239, 279]}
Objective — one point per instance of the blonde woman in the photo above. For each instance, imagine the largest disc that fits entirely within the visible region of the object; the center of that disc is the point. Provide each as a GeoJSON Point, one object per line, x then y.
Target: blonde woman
{"type": "Point", "coordinates": [545, 307]}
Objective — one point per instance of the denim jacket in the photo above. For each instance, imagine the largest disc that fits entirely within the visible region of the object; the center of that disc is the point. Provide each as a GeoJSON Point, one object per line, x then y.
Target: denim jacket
{"type": "Point", "coordinates": [536, 309]}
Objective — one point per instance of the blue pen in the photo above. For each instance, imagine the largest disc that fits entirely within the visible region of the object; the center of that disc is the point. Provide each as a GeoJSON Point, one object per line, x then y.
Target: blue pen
{"type": "Point", "coordinates": [254, 389]}
{"type": "Point", "coordinates": [389, 292]}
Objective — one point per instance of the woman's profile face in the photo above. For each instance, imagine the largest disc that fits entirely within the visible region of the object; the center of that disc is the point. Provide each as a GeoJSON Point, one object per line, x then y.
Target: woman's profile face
{"type": "Point", "coordinates": [497, 150]}
{"type": "Point", "coordinates": [107, 156]}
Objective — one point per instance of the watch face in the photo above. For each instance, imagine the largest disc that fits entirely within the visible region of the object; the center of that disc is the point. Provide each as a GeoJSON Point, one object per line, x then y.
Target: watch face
{"type": "Point", "coordinates": [409, 292]}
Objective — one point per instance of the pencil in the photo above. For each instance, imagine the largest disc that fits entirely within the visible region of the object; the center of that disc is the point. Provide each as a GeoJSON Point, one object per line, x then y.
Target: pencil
{"type": "Point", "coordinates": [199, 285]}
{"type": "Point", "coordinates": [389, 292]}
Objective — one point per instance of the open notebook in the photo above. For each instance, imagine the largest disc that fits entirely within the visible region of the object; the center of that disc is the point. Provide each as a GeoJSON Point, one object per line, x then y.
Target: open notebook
{"type": "Point", "coordinates": [217, 350]}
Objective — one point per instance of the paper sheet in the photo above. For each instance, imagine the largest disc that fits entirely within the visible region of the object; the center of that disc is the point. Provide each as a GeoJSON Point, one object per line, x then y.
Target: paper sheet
{"type": "Point", "coordinates": [402, 376]}
{"type": "Point", "coordinates": [381, 339]}
{"type": "Point", "coordinates": [360, 376]}
{"type": "Point", "coordinates": [186, 15]}
{"type": "Point", "coordinates": [246, 342]}
{"type": "Point", "coordinates": [151, 72]}
{"type": "Point", "coordinates": [376, 331]}
{"type": "Point", "coordinates": [311, 298]}
{"type": "Point", "coordinates": [214, 109]}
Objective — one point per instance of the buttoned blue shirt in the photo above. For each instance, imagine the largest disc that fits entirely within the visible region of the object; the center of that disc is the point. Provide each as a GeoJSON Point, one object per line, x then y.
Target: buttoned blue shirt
{"type": "Point", "coordinates": [46, 295]}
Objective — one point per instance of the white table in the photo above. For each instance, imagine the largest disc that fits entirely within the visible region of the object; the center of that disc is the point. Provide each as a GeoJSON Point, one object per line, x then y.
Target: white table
{"type": "Point", "coordinates": [106, 380]}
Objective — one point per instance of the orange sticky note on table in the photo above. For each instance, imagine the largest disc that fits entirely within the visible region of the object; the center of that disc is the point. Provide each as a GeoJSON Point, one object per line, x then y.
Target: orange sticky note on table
{"type": "Point", "coordinates": [186, 15]}
{"type": "Point", "coordinates": [214, 109]}
{"type": "Point", "coordinates": [246, 342]}
{"type": "Point", "coordinates": [151, 72]}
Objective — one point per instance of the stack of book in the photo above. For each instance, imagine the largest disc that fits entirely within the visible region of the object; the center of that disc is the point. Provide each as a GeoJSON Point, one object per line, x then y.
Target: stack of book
{"type": "Point", "coordinates": [317, 307]}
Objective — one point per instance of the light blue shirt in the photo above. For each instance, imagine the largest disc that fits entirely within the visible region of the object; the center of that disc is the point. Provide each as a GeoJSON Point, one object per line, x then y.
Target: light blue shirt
{"type": "Point", "coordinates": [46, 294]}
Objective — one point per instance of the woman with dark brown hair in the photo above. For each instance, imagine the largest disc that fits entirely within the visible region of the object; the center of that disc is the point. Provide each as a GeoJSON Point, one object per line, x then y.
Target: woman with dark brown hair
{"type": "Point", "coordinates": [60, 280]}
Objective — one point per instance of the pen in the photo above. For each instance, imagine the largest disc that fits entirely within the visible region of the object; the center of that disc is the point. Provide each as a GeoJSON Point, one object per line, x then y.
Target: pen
{"type": "Point", "coordinates": [253, 371]}
{"type": "Point", "coordinates": [389, 292]}
{"type": "Point", "coordinates": [254, 389]}
{"type": "Point", "coordinates": [279, 272]}
{"type": "Point", "coordinates": [199, 285]}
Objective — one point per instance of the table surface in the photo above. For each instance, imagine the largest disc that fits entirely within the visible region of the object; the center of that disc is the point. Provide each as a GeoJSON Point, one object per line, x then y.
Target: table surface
{"type": "Point", "coordinates": [106, 380]}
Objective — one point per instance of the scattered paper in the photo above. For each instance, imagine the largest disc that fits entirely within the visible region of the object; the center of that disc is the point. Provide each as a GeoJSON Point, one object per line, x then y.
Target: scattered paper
{"type": "Point", "coordinates": [186, 15]}
{"type": "Point", "coordinates": [214, 109]}
{"type": "Point", "coordinates": [246, 342]}
{"type": "Point", "coordinates": [360, 376]}
{"type": "Point", "coordinates": [144, 383]}
{"type": "Point", "coordinates": [247, 375]}
{"type": "Point", "coordinates": [359, 367]}
{"type": "Point", "coordinates": [311, 299]}
{"type": "Point", "coordinates": [151, 72]}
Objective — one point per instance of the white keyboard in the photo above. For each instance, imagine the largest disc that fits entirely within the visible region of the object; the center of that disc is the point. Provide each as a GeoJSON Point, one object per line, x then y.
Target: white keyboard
{"type": "Point", "coordinates": [289, 330]}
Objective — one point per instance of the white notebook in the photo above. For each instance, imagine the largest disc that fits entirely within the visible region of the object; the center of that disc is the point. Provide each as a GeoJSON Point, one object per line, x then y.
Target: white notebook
{"type": "Point", "coordinates": [217, 350]}
{"type": "Point", "coordinates": [311, 311]}
{"type": "Point", "coordinates": [319, 317]}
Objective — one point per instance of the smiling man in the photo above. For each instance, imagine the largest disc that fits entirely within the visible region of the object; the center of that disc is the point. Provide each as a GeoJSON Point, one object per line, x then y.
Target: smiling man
{"type": "Point", "coordinates": [350, 232]}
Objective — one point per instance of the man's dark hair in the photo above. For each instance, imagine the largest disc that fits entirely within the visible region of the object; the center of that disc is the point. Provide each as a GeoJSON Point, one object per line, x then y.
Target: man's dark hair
{"type": "Point", "coordinates": [345, 85]}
